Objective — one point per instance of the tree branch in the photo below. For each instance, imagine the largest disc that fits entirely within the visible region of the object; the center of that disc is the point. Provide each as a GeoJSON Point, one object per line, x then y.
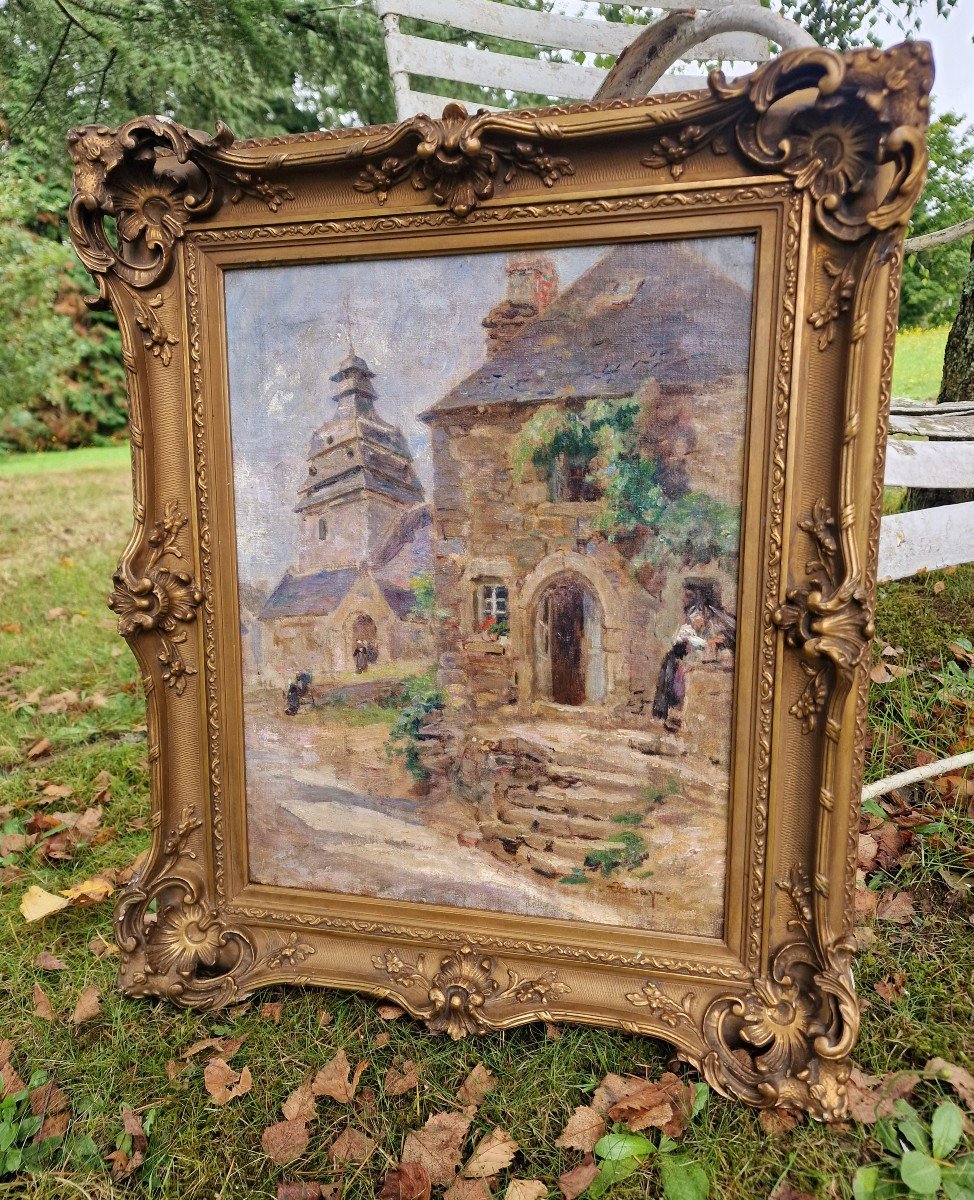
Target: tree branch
{"type": "Point", "coordinates": [939, 237]}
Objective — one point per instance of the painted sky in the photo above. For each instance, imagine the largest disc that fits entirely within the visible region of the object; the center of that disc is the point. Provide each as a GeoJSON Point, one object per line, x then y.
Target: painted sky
{"type": "Point", "coordinates": [417, 322]}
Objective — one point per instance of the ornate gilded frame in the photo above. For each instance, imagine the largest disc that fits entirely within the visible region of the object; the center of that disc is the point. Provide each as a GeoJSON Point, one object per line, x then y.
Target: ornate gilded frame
{"type": "Point", "coordinates": [822, 154]}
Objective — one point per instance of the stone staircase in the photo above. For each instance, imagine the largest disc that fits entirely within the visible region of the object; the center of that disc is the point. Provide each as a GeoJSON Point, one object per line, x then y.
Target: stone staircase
{"type": "Point", "coordinates": [549, 795]}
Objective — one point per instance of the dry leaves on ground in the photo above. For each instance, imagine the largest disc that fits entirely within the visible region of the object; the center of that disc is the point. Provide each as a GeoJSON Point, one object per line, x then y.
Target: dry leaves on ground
{"type": "Point", "coordinates": [351, 1145]}
{"type": "Point", "coordinates": [50, 1103]}
{"type": "Point", "coordinates": [438, 1146]}
{"type": "Point", "coordinates": [479, 1083]}
{"type": "Point", "coordinates": [307, 1191]}
{"type": "Point", "coordinates": [227, 1047]}
{"type": "Point", "coordinates": [336, 1079]}
{"type": "Point", "coordinates": [88, 1006]}
{"type": "Point", "coordinates": [390, 1012]}
{"type": "Point", "coordinates": [891, 987]}
{"type": "Point", "coordinates": [407, 1181]}
{"type": "Point", "coordinates": [49, 962]}
{"type": "Point", "coordinates": [285, 1141]}
{"type": "Point", "coordinates": [468, 1189]}
{"type": "Point", "coordinates": [494, 1152]}
{"type": "Point", "coordinates": [572, 1183]}
{"type": "Point", "coordinates": [526, 1189]}
{"type": "Point", "coordinates": [785, 1191]}
{"type": "Point", "coordinates": [658, 1104]}
{"type": "Point", "coordinates": [301, 1105]}
{"type": "Point", "coordinates": [42, 1005]}
{"type": "Point", "coordinates": [224, 1083]}
{"type": "Point", "coordinates": [583, 1130]}
{"type": "Point", "coordinates": [960, 1079]}
{"type": "Point", "coordinates": [871, 1098]}
{"type": "Point", "coordinates": [896, 907]}
{"type": "Point", "coordinates": [401, 1077]}
{"type": "Point", "coordinates": [123, 1163]}
{"type": "Point", "coordinates": [36, 903]}
{"type": "Point", "coordinates": [272, 1011]}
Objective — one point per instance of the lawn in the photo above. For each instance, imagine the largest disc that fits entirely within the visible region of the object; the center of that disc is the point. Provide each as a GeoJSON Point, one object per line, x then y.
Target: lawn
{"type": "Point", "coordinates": [72, 739]}
{"type": "Point", "coordinates": [919, 363]}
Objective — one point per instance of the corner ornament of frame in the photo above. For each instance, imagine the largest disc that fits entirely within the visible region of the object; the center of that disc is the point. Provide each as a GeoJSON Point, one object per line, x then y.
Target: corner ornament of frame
{"type": "Point", "coordinates": [152, 177]}
{"type": "Point", "coordinates": [787, 1041]}
{"type": "Point", "coordinates": [459, 157]}
{"type": "Point", "coordinates": [462, 991]}
{"type": "Point", "coordinates": [845, 120]}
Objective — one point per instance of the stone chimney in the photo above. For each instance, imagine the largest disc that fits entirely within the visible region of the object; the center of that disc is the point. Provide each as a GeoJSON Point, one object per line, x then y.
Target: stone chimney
{"type": "Point", "coordinates": [532, 284]}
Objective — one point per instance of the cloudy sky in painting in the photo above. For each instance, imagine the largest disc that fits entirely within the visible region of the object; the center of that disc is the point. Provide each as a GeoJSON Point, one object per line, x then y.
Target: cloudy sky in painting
{"type": "Point", "coordinates": [417, 322]}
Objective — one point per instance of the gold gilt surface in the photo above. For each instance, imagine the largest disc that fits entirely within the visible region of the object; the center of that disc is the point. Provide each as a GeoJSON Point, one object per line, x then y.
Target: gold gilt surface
{"type": "Point", "coordinates": [822, 156]}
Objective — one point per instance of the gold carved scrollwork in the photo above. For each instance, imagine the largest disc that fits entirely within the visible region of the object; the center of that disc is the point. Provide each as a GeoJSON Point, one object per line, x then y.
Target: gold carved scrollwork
{"type": "Point", "coordinates": [833, 123]}
{"type": "Point", "coordinates": [185, 951]}
{"type": "Point", "coordinates": [159, 600]}
{"type": "Point", "coordinates": [463, 993]}
{"type": "Point", "coordinates": [152, 177]}
{"type": "Point", "coordinates": [786, 1041]}
{"type": "Point", "coordinates": [460, 157]}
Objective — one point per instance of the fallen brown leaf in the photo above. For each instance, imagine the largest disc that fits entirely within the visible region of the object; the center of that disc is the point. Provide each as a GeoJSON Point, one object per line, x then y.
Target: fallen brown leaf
{"type": "Point", "coordinates": [48, 962]}
{"type": "Point", "coordinates": [89, 891]}
{"type": "Point", "coordinates": [227, 1047]}
{"type": "Point", "coordinates": [42, 1005]}
{"type": "Point", "coordinates": [57, 791]}
{"type": "Point", "coordinates": [438, 1146]}
{"type": "Point", "coordinates": [324, 1019]}
{"type": "Point", "coordinates": [335, 1079]}
{"type": "Point", "coordinates": [477, 1085]}
{"type": "Point", "coordinates": [224, 1083]}
{"type": "Point", "coordinates": [351, 1145]}
{"type": "Point", "coordinates": [493, 1153]}
{"type": "Point", "coordinates": [101, 948]}
{"type": "Point", "coordinates": [777, 1121]}
{"type": "Point", "coordinates": [891, 987]}
{"type": "Point", "coordinates": [39, 748]}
{"type": "Point", "coordinates": [526, 1189]}
{"type": "Point", "coordinates": [583, 1130]}
{"type": "Point", "coordinates": [572, 1183]}
{"type": "Point", "coordinates": [612, 1089]}
{"type": "Point", "coordinates": [468, 1189]}
{"type": "Point", "coordinates": [407, 1181]}
{"type": "Point", "coordinates": [659, 1104]}
{"type": "Point", "coordinates": [301, 1105]}
{"type": "Point", "coordinates": [272, 1011]}
{"type": "Point", "coordinates": [896, 907]}
{"type": "Point", "coordinates": [960, 1079]}
{"type": "Point", "coordinates": [785, 1191]}
{"type": "Point", "coordinates": [285, 1141]}
{"type": "Point", "coordinates": [36, 903]}
{"type": "Point", "coordinates": [381, 1040]}
{"type": "Point", "coordinates": [390, 1012]}
{"type": "Point", "coordinates": [300, 1191]}
{"type": "Point", "coordinates": [88, 1006]}
{"type": "Point", "coordinates": [400, 1080]}
{"type": "Point", "coordinates": [871, 1098]}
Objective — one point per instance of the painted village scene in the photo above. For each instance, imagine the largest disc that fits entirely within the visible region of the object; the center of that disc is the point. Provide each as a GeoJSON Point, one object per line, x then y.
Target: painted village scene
{"type": "Point", "coordinates": [488, 513]}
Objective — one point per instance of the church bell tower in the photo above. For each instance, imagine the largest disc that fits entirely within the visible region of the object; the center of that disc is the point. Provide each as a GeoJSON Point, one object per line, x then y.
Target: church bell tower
{"type": "Point", "coordinates": [360, 477]}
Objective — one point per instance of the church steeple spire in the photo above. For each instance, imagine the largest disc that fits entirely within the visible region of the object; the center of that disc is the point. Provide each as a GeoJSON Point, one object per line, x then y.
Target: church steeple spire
{"type": "Point", "coordinates": [360, 475]}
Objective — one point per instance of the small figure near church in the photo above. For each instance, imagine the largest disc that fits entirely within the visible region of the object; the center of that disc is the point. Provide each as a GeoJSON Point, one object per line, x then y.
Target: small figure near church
{"type": "Point", "coordinates": [671, 683]}
{"type": "Point", "coordinates": [292, 698]}
{"type": "Point", "coordinates": [361, 656]}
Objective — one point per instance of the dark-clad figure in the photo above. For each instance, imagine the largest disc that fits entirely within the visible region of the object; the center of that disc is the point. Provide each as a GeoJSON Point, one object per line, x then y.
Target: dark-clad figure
{"type": "Point", "coordinates": [671, 688]}
{"type": "Point", "coordinates": [292, 698]}
{"type": "Point", "coordinates": [361, 656]}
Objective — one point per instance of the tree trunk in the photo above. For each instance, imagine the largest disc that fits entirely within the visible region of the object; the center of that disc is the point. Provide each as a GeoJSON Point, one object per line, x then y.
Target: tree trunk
{"type": "Point", "coordinates": [958, 380]}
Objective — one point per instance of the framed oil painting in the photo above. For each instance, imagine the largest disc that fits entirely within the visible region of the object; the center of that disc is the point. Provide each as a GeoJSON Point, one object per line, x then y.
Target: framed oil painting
{"type": "Point", "coordinates": [507, 496]}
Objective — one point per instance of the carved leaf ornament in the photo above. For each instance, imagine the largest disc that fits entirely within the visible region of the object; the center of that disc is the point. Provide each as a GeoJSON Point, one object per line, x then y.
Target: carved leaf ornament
{"type": "Point", "coordinates": [846, 131]}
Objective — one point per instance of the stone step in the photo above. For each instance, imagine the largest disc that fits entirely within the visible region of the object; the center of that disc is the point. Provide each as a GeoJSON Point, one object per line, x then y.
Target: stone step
{"type": "Point", "coordinates": [543, 820]}
{"type": "Point", "coordinates": [586, 802]}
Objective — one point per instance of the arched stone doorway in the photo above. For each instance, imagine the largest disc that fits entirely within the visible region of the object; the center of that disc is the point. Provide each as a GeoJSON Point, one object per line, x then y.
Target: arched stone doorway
{"type": "Point", "coordinates": [569, 662]}
{"type": "Point", "coordinates": [361, 628]}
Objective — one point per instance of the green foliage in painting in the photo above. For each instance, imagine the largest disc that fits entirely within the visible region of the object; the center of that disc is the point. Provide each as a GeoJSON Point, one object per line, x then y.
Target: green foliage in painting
{"type": "Point", "coordinates": [420, 697]}
{"type": "Point", "coordinates": [630, 486]}
{"type": "Point", "coordinates": [424, 596]}
{"type": "Point", "coordinates": [932, 280]}
{"type": "Point", "coordinates": [630, 854]}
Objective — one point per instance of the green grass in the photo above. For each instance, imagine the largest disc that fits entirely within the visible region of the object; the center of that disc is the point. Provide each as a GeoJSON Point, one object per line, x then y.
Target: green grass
{"type": "Point", "coordinates": [919, 362]}
{"type": "Point", "coordinates": [60, 534]}
{"type": "Point", "coordinates": [91, 458]}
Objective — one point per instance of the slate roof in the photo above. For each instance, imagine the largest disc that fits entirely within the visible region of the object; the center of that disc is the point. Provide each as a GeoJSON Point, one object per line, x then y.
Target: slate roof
{"type": "Point", "coordinates": [408, 550]}
{"type": "Point", "coordinates": [309, 595]}
{"type": "Point", "coordinates": [649, 310]}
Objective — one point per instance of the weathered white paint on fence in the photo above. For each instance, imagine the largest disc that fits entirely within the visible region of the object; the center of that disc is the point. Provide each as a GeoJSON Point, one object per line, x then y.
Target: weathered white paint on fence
{"type": "Point", "coordinates": [929, 539]}
{"type": "Point", "coordinates": [550, 29]}
{"type": "Point", "coordinates": [912, 463]}
{"type": "Point", "coordinates": [942, 422]}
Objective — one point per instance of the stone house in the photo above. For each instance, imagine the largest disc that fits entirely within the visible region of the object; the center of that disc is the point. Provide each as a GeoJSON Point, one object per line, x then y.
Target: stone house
{"type": "Point", "coordinates": [364, 537]}
{"type": "Point", "coordinates": [539, 611]}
